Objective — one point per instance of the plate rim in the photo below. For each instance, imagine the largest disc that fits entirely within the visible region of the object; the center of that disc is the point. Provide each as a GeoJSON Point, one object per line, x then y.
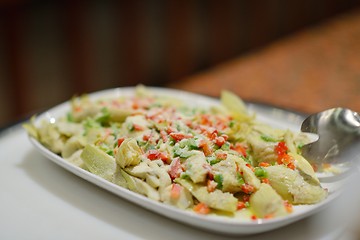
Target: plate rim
{"type": "Point", "coordinates": [214, 224]}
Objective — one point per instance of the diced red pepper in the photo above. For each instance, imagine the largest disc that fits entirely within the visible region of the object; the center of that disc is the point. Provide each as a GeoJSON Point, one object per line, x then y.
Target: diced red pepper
{"type": "Point", "coordinates": [179, 136]}
{"type": "Point", "coordinates": [152, 154]}
{"type": "Point", "coordinates": [219, 141]}
{"type": "Point", "coordinates": [239, 148]}
{"type": "Point", "coordinates": [120, 141]}
{"type": "Point", "coordinates": [175, 168]}
{"type": "Point", "coordinates": [241, 205]}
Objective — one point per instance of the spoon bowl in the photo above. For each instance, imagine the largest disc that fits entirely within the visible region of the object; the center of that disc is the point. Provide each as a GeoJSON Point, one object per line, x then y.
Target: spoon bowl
{"type": "Point", "coordinates": [338, 143]}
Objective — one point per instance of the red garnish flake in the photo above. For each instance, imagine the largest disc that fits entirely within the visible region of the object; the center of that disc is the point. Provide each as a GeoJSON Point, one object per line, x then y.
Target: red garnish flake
{"type": "Point", "coordinates": [281, 148]}
{"type": "Point", "coordinates": [283, 158]}
{"type": "Point", "coordinates": [253, 217]}
{"type": "Point", "coordinates": [120, 141]}
{"type": "Point", "coordinates": [201, 208]}
{"type": "Point", "coordinates": [247, 188]}
{"type": "Point", "coordinates": [241, 205]}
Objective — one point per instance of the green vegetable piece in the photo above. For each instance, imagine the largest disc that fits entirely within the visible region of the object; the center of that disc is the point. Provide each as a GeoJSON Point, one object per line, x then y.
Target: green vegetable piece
{"type": "Point", "coordinates": [98, 162]}
{"type": "Point", "coordinates": [268, 138]}
{"type": "Point", "coordinates": [218, 178]}
{"type": "Point", "coordinates": [104, 117]}
{"type": "Point", "coordinates": [260, 172]}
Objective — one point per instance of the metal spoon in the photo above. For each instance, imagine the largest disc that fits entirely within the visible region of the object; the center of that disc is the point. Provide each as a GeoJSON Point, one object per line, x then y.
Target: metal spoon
{"type": "Point", "coordinates": [338, 143]}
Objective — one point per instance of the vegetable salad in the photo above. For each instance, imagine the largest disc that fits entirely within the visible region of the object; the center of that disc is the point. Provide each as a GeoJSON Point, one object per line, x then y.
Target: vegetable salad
{"type": "Point", "coordinates": [217, 160]}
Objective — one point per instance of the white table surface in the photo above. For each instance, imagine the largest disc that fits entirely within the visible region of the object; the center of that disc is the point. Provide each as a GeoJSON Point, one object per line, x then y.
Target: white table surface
{"type": "Point", "coordinates": [40, 200]}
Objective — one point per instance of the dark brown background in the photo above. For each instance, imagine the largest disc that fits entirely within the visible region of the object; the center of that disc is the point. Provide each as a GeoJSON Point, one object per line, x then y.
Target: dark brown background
{"type": "Point", "coordinates": [302, 55]}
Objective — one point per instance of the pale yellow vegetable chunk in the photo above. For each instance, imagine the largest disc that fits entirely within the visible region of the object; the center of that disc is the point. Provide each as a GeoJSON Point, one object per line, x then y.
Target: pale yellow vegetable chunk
{"type": "Point", "coordinates": [128, 153]}
{"type": "Point", "coordinates": [217, 199]}
{"type": "Point", "coordinates": [265, 202]}
{"type": "Point", "coordinates": [98, 162]}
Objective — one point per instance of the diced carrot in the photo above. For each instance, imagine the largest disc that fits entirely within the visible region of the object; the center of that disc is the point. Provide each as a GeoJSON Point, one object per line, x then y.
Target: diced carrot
{"type": "Point", "coordinates": [205, 147]}
{"type": "Point", "coordinates": [247, 188]}
{"type": "Point", "coordinates": [265, 180]}
{"type": "Point", "coordinates": [269, 216]}
{"type": "Point", "coordinates": [221, 155]}
{"type": "Point", "coordinates": [211, 185]}
{"type": "Point", "coordinates": [201, 208]}
{"type": "Point", "coordinates": [264, 164]}
{"type": "Point", "coordinates": [291, 166]}
{"type": "Point", "coordinates": [288, 206]}
{"type": "Point", "coordinates": [219, 141]}
{"type": "Point", "coordinates": [239, 148]}
{"type": "Point", "coordinates": [175, 191]}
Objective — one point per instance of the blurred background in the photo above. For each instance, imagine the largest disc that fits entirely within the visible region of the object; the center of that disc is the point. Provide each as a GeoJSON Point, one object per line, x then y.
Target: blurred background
{"type": "Point", "coordinates": [52, 50]}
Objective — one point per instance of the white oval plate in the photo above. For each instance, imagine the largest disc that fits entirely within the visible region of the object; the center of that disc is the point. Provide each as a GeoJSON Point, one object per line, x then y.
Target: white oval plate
{"type": "Point", "coordinates": [275, 117]}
